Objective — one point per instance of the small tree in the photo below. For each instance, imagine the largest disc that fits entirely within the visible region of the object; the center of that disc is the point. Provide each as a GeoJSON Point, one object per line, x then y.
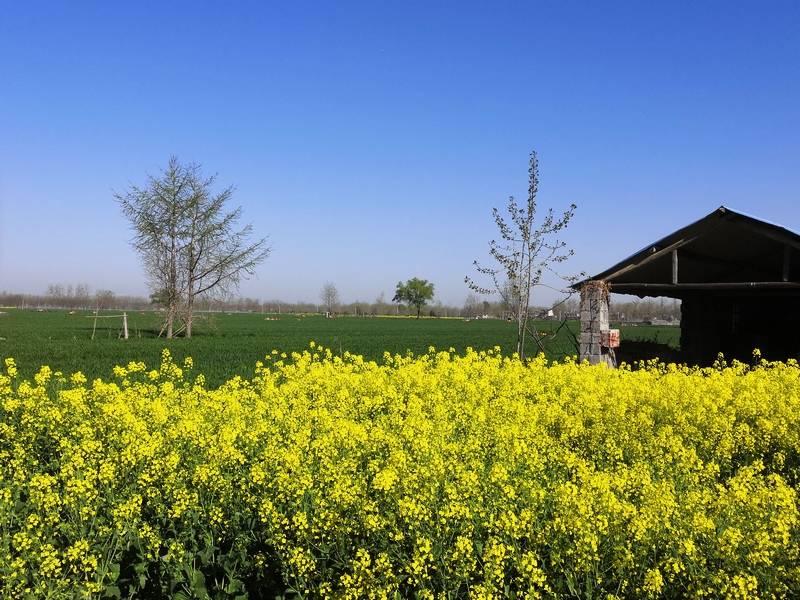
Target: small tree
{"type": "Point", "coordinates": [526, 251]}
{"type": "Point", "coordinates": [329, 296]}
{"type": "Point", "coordinates": [414, 292]}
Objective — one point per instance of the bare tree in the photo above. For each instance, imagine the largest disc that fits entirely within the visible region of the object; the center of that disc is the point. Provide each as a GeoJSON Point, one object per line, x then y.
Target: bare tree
{"type": "Point", "coordinates": [329, 296]}
{"type": "Point", "coordinates": [55, 294]}
{"type": "Point", "coordinates": [471, 306]}
{"type": "Point", "coordinates": [69, 296]}
{"type": "Point", "coordinates": [189, 242]}
{"type": "Point", "coordinates": [527, 250]}
{"type": "Point", "coordinates": [82, 295]}
{"type": "Point", "coordinates": [509, 298]}
{"type": "Point", "coordinates": [380, 307]}
{"type": "Point", "coordinates": [104, 299]}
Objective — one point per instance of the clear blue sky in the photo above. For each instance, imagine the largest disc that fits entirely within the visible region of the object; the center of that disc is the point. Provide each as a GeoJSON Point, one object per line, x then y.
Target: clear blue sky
{"type": "Point", "coordinates": [370, 140]}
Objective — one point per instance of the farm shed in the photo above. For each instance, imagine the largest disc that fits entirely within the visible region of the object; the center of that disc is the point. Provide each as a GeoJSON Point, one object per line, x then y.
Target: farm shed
{"type": "Point", "coordinates": [738, 279]}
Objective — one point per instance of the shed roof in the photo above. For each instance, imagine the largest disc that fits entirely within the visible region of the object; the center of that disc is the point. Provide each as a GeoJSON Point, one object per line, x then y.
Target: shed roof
{"type": "Point", "coordinates": [725, 251]}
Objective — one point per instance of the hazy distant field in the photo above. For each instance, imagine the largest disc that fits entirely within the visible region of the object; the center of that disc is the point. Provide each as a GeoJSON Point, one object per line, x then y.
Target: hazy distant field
{"type": "Point", "coordinates": [225, 345]}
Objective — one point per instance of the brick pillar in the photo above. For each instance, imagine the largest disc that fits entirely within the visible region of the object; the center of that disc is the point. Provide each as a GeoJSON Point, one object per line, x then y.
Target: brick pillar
{"type": "Point", "coordinates": [594, 319]}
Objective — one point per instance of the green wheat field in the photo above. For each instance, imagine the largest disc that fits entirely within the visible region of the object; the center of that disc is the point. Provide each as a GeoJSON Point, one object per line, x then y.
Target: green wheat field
{"type": "Point", "coordinates": [228, 344]}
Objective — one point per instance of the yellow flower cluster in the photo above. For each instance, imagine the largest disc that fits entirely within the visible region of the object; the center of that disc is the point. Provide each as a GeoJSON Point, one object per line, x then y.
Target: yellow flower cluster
{"type": "Point", "coordinates": [437, 476]}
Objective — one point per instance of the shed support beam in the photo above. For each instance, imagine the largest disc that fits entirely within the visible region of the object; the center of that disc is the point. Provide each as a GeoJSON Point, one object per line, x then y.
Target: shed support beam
{"type": "Point", "coordinates": [655, 253]}
{"type": "Point", "coordinates": [787, 261]}
{"type": "Point", "coordinates": [675, 267]}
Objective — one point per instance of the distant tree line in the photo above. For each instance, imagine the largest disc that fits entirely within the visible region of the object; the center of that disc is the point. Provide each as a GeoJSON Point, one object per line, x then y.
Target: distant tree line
{"type": "Point", "coordinates": [81, 297]}
{"type": "Point", "coordinates": [623, 310]}
{"type": "Point", "coordinates": [74, 297]}
{"type": "Point", "coordinates": [648, 309]}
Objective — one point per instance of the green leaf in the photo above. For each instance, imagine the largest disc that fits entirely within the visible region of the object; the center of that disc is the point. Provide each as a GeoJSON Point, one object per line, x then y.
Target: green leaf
{"type": "Point", "coordinates": [199, 584]}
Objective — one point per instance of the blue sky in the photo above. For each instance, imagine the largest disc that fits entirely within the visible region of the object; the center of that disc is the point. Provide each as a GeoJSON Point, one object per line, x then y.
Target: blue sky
{"type": "Point", "coordinates": [370, 140]}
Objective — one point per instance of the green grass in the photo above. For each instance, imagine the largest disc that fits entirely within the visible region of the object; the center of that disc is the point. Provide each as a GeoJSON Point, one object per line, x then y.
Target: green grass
{"type": "Point", "coordinates": [224, 345]}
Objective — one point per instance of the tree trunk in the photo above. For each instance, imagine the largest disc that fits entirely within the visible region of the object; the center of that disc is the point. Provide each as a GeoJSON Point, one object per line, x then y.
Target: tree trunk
{"type": "Point", "coordinates": [419, 309]}
{"type": "Point", "coordinates": [189, 315]}
{"type": "Point", "coordinates": [521, 322]}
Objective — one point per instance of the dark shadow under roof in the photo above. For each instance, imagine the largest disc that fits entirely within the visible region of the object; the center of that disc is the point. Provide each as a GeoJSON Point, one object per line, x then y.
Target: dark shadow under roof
{"type": "Point", "coordinates": [724, 252]}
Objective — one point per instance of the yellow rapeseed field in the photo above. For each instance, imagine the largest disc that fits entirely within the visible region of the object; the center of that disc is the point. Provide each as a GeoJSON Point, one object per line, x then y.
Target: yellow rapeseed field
{"type": "Point", "coordinates": [437, 476]}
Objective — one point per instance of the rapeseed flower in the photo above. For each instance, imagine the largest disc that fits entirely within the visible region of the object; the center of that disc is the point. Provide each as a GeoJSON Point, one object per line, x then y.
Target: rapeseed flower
{"type": "Point", "coordinates": [434, 476]}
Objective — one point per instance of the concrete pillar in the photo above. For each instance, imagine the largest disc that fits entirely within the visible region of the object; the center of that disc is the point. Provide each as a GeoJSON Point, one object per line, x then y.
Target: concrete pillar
{"type": "Point", "coordinates": [594, 320]}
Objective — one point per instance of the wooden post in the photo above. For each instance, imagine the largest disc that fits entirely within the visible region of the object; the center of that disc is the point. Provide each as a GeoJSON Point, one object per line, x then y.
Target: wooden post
{"type": "Point", "coordinates": [787, 261]}
{"type": "Point", "coordinates": [94, 327]}
{"type": "Point", "coordinates": [675, 267]}
{"type": "Point", "coordinates": [125, 325]}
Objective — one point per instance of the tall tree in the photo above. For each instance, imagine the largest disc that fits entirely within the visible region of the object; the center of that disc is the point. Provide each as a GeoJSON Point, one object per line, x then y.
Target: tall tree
{"type": "Point", "coordinates": [329, 296]}
{"type": "Point", "coordinates": [189, 241]}
{"type": "Point", "coordinates": [527, 250]}
{"type": "Point", "coordinates": [414, 292]}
